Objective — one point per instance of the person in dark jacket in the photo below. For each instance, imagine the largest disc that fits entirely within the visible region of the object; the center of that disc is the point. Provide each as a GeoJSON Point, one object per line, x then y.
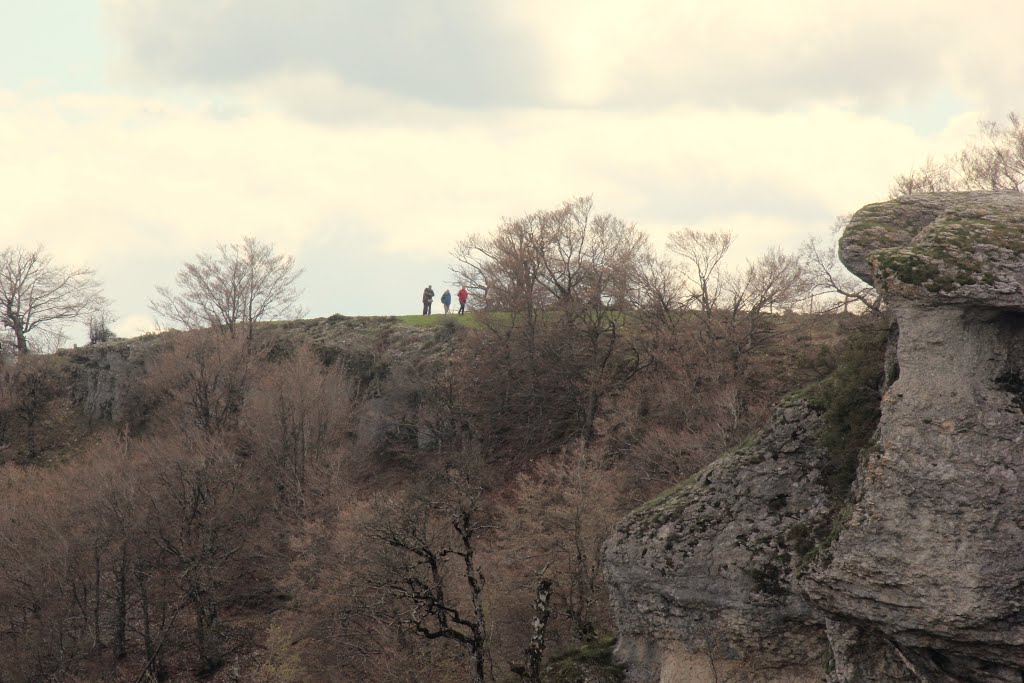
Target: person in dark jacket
{"type": "Point", "coordinates": [463, 295]}
{"type": "Point", "coordinates": [446, 299]}
{"type": "Point", "coordinates": [428, 298]}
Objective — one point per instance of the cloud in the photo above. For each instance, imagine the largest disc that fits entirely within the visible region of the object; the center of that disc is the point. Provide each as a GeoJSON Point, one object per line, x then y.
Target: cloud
{"type": "Point", "coordinates": [606, 54]}
{"type": "Point", "coordinates": [449, 51]}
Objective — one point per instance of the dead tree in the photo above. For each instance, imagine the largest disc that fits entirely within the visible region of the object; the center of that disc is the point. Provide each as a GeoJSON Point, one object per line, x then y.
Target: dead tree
{"type": "Point", "coordinates": [428, 566]}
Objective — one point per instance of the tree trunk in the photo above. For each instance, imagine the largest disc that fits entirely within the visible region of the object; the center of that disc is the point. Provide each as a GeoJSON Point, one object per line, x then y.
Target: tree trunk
{"type": "Point", "coordinates": [121, 602]}
{"type": "Point", "coordinates": [478, 643]}
{"type": "Point", "coordinates": [208, 637]}
{"type": "Point", "coordinates": [477, 656]}
{"type": "Point", "coordinates": [97, 642]}
{"type": "Point", "coordinates": [530, 673]}
{"type": "Point", "coordinates": [19, 337]}
{"type": "Point", "coordinates": [154, 667]}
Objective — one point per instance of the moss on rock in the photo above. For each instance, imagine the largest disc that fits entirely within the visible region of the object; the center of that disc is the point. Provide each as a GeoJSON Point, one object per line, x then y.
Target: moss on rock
{"type": "Point", "coordinates": [591, 663]}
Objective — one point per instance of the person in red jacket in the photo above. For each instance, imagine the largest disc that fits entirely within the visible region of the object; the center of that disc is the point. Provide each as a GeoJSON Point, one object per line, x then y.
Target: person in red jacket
{"type": "Point", "coordinates": [463, 295]}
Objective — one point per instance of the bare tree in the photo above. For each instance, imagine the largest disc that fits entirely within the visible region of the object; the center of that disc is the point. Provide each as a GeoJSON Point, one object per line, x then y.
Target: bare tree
{"type": "Point", "coordinates": [529, 671]}
{"type": "Point", "coordinates": [99, 323]}
{"type": "Point", "coordinates": [428, 542]}
{"type": "Point", "coordinates": [996, 160]}
{"type": "Point", "coordinates": [567, 278]}
{"type": "Point", "coordinates": [702, 253]}
{"type": "Point", "coordinates": [295, 420]}
{"type": "Point", "coordinates": [564, 510]}
{"type": "Point", "coordinates": [732, 304]}
{"type": "Point", "coordinates": [238, 285]}
{"type": "Point", "coordinates": [560, 257]}
{"type": "Point", "coordinates": [827, 278]}
{"type": "Point", "coordinates": [37, 294]}
{"type": "Point", "coordinates": [203, 381]}
{"type": "Point", "coordinates": [993, 160]}
{"type": "Point", "coordinates": [932, 176]}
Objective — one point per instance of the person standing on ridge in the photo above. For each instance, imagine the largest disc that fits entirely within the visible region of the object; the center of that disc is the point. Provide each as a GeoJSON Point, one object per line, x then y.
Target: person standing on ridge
{"type": "Point", "coordinates": [428, 298]}
{"type": "Point", "coordinates": [463, 295]}
{"type": "Point", "coordinates": [446, 299]}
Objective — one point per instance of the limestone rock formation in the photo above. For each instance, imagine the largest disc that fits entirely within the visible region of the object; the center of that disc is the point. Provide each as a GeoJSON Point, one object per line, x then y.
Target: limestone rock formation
{"type": "Point", "coordinates": [932, 555]}
{"type": "Point", "coordinates": [703, 578]}
{"type": "Point", "coordinates": [918, 575]}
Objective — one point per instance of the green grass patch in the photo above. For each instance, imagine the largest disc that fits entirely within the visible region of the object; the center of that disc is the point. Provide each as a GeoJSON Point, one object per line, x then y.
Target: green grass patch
{"type": "Point", "coordinates": [438, 320]}
{"type": "Point", "coordinates": [591, 663]}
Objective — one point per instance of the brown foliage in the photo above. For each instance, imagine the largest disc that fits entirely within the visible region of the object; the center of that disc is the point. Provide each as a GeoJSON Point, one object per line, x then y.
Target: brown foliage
{"type": "Point", "coordinates": [296, 418]}
{"type": "Point", "coordinates": [233, 289]}
{"type": "Point", "coordinates": [35, 408]}
{"type": "Point", "coordinates": [131, 552]}
{"type": "Point", "coordinates": [202, 382]}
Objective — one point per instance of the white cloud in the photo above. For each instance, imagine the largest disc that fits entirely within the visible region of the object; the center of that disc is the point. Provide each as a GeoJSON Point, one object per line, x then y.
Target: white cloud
{"type": "Point", "coordinates": [748, 54]}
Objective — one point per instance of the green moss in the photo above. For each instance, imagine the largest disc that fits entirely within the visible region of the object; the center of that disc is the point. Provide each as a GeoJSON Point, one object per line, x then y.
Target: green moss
{"type": "Point", "coordinates": [906, 266]}
{"type": "Point", "coordinates": [820, 552]}
{"type": "Point", "coordinates": [649, 508]}
{"type": "Point", "coordinates": [591, 663]}
{"type": "Point", "coordinates": [936, 245]}
{"type": "Point", "coordinates": [850, 402]}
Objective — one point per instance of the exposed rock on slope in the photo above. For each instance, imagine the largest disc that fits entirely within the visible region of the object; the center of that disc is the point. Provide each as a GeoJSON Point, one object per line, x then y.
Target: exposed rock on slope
{"type": "Point", "coordinates": [922, 575]}
{"type": "Point", "coordinates": [703, 579]}
{"type": "Point", "coordinates": [394, 365]}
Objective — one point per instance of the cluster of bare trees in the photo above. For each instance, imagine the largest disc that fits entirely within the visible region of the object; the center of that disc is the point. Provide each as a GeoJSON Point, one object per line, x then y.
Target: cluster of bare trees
{"type": "Point", "coordinates": [993, 160]}
{"type": "Point", "coordinates": [579, 305]}
{"type": "Point", "coordinates": [127, 558]}
{"type": "Point", "coordinates": [236, 287]}
{"type": "Point", "coordinates": [130, 551]}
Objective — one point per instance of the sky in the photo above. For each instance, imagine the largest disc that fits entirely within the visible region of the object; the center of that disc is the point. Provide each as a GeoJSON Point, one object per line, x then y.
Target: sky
{"type": "Point", "coordinates": [366, 137]}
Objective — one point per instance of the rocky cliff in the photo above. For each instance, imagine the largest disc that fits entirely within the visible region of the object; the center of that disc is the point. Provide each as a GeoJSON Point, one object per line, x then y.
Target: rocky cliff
{"type": "Point", "coordinates": [757, 571]}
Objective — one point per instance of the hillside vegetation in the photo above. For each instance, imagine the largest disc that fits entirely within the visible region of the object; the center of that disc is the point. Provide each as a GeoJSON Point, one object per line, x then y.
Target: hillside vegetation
{"type": "Point", "coordinates": [353, 498]}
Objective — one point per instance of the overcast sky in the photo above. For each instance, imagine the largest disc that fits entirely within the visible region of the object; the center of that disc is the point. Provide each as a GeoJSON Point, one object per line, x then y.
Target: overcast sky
{"type": "Point", "coordinates": [367, 136]}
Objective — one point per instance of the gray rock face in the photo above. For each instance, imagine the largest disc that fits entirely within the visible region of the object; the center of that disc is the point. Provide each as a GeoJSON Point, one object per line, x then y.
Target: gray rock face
{"type": "Point", "coordinates": [956, 248]}
{"type": "Point", "coordinates": [933, 553]}
{"type": "Point", "coordinates": [920, 575]}
{"type": "Point", "coordinates": [702, 580]}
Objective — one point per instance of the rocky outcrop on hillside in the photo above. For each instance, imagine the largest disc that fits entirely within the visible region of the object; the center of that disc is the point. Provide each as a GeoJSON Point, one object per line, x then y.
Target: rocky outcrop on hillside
{"type": "Point", "coordinates": [703, 578]}
{"type": "Point", "coordinates": [921, 575]}
{"type": "Point", "coordinates": [395, 366]}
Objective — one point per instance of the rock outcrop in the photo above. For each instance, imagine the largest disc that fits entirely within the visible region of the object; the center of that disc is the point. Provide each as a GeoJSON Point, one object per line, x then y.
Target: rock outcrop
{"type": "Point", "coordinates": [703, 579]}
{"type": "Point", "coordinates": [932, 555]}
{"type": "Point", "coordinates": [920, 574]}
